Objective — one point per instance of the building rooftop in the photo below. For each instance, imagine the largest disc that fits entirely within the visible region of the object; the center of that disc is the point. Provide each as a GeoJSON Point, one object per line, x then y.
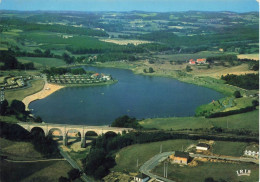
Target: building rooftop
{"type": "Point", "coordinates": [142, 176]}
{"type": "Point", "coordinates": [203, 145]}
{"type": "Point", "coordinates": [181, 154]}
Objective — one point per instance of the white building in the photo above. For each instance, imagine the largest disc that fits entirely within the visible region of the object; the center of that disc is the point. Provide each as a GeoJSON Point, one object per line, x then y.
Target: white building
{"type": "Point", "coordinates": [141, 178]}
{"type": "Point", "coordinates": [251, 153]}
{"type": "Point", "coordinates": [202, 146]}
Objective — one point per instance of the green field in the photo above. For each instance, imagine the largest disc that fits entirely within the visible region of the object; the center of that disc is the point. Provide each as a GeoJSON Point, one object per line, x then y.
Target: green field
{"type": "Point", "coordinates": [38, 171]}
{"type": "Point", "coordinates": [218, 171]}
{"type": "Point", "coordinates": [229, 148]}
{"type": "Point", "coordinates": [127, 157]}
{"type": "Point", "coordinates": [36, 86]}
{"type": "Point", "coordinates": [239, 121]}
{"type": "Point", "coordinates": [42, 63]}
{"type": "Point", "coordinates": [56, 41]}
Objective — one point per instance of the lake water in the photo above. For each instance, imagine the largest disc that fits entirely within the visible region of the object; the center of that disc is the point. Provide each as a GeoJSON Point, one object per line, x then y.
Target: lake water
{"type": "Point", "coordinates": [134, 95]}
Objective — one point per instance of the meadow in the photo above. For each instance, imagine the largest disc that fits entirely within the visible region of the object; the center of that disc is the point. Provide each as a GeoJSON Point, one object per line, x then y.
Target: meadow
{"type": "Point", "coordinates": [28, 171]}
{"type": "Point", "coordinates": [218, 171]}
{"type": "Point", "coordinates": [42, 63]}
{"type": "Point", "coordinates": [127, 157]}
{"type": "Point", "coordinates": [247, 121]}
{"type": "Point", "coordinates": [58, 41]}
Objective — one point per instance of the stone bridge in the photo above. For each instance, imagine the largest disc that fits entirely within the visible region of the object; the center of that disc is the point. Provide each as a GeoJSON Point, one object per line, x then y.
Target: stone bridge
{"type": "Point", "coordinates": [64, 129]}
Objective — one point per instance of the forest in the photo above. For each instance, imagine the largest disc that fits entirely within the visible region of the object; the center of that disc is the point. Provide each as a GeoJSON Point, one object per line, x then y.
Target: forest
{"type": "Point", "coordinates": [247, 81]}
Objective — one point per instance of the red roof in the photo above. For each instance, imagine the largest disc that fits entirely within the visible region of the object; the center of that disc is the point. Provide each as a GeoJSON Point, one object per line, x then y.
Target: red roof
{"type": "Point", "coordinates": [201, 60]}
{"type": "Point", "coordinates": [191, 60]}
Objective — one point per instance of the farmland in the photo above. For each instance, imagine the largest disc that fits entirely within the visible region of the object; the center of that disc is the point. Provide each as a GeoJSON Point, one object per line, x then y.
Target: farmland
{"type": "Point", "coordinates": [234, 122]}
{"type": "Point", "coordinates": [217, 171]}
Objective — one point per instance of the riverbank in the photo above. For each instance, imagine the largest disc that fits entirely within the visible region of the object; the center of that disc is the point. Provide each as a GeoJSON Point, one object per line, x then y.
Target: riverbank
{"type": "Point", "coordinates": [47, 90]}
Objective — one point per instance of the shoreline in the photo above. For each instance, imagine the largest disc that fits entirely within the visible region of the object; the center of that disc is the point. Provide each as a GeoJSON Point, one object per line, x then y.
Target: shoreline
{"type": "Point", "coordinates": [47, 90]}
{"type": "Point", "coordinates": [50, 88]}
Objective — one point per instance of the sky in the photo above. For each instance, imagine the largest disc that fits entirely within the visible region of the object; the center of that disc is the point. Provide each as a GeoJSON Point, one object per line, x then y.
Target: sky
{"type": "Point", "coordinates": [130, 5]}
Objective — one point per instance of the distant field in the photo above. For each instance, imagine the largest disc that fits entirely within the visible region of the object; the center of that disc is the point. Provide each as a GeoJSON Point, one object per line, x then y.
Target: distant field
{"type": "Point", "coordinates": [56, 41]}
{"type": "Point", "coordinates": [248, 56]}
{"type": "Point", "coordinates": [218, 171]}
{"type": "Point", "coordinates": [125, 42]}
{"type": "Point", "coordinates": [42, 62]}
{"type": "Point", "coordinates": [20, 94]}
{"type": "Point", "coordinates": [127, 157]}
{"type": "Point", "coordinates": [186, 57]}
{"type": "Point", "coordinates": [248, 121]}
{"type": "Point", "coordinates": [229, 148]}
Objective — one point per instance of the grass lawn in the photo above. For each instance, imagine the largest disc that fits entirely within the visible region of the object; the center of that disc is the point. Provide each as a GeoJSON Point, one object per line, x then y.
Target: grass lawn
{"type": "Point", "coordinates": [247, 120]}
{"type": "Point", "coordinates": [19, 150]}
{"type": "Point", "coordinates": [41, 63]}
{"type": "Point", "coordinates": [37, 85]}
{"type": "Point", "coordinates": [39, 171]}
{"type": "Point", "coordinates": [225, 171]}
{"type": "Point", "coordinates": [229, 148]}
{"type": "Point", "coordinates": [127, 157]}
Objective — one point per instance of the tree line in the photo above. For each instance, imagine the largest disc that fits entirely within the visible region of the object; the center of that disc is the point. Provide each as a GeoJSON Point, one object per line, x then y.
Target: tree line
{"type": "Point", "coordinates": [247, 81]}
{"type": "Point", "coordinates": [10, 62]}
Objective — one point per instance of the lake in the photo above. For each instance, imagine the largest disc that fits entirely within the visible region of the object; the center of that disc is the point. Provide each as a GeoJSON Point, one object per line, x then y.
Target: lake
{"type": "Point", "coordinates": [138, 96]}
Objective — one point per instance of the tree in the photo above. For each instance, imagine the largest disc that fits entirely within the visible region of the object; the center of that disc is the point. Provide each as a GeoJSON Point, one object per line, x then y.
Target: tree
{"type": "Point", "coordinates": [63, 179]}
{"type": "Point", "coordinates": [144, 70]}
{"type": "Point", "coordinates": [3, 107]}
{"type": "Point", "coordinates": [18, 106]}
{"type": "Point", "coordinates": [188, 68]}
{"type": "Point", "coordinates": [255, 103]}
{"type": "Point", "coordinates": [151, 70]}
{"type": "Point", "coordinates": [38, 119]}
{"type": "Point", "coordinates": [237, 94]}
{"type": "Point", "coordinates": [74, 174]}
{"type": "Point", "coordinates": [47, 53]}
{"type": "Point", "coordinates": [126, 122]}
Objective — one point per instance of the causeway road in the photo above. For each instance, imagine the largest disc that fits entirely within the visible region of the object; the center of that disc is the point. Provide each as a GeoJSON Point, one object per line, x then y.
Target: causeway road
{"type": "Point", "coordinates": [154, 161]}
{"type": "Point", "coordinates": [75, 165]}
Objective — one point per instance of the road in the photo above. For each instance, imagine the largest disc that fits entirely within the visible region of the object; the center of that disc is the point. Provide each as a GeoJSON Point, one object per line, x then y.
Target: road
{"type": "Point", "coordinates": [237, 159]}
{"type": "Point", "coordinates": [75, 165]}
{"type": "Point", "coordinates": [154, 161]}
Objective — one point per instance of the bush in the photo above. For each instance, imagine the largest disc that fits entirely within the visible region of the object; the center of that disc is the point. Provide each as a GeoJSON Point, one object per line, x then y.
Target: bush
{"type": "Point", "coordinates": [237, 94]}
{"type": "Point", "coordinates": [126, 122]}
{"type": "Point", "coordinates": [188, 68]}
{"type": "Point", "coordinates": [18, 106]}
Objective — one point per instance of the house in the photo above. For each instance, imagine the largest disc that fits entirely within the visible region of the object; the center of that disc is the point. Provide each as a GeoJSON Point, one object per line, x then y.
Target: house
{"type": "Point", "coordinates": [141, 178]}
{"type": "Point", "coordinates": [180, 157]}
{"type": "Point", "coordinates": [252, 153]}
{"type": "Point", "coordinates": [191, 61]}
{"type": "Point", "coordinates": [202, 146]}
{"type": "Point", "coordinates": [96, 75]}
{"type": "Point", "coordinates": [201, 61]}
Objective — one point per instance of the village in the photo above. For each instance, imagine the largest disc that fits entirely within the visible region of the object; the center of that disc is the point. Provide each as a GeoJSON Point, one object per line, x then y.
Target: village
{"type": "Point", "coordinates": [14, 82]}
{"type": "Point", "coordinates": [192, 157]}
{"type": "Point", "coordinates": [79, 79]}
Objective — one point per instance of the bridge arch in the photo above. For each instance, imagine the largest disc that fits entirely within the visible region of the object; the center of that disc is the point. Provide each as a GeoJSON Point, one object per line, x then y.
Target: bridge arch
{"type": "Point", "coordinates": [76, 134]}
{"type": "Point", "coordinates": [56, 133]}
{"type": "Point", "coordinates": [110, 133]}
{"type": "Point", "coordinates": [55, 130]}
{"type": "Point", "coordinates": [38, 129]}
{"type": "Point", "coordinates": [91, 133]}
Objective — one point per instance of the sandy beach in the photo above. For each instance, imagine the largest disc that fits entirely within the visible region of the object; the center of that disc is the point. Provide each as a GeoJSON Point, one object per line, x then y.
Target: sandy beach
{"type": "Point", "coordinates": [47, 90]}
